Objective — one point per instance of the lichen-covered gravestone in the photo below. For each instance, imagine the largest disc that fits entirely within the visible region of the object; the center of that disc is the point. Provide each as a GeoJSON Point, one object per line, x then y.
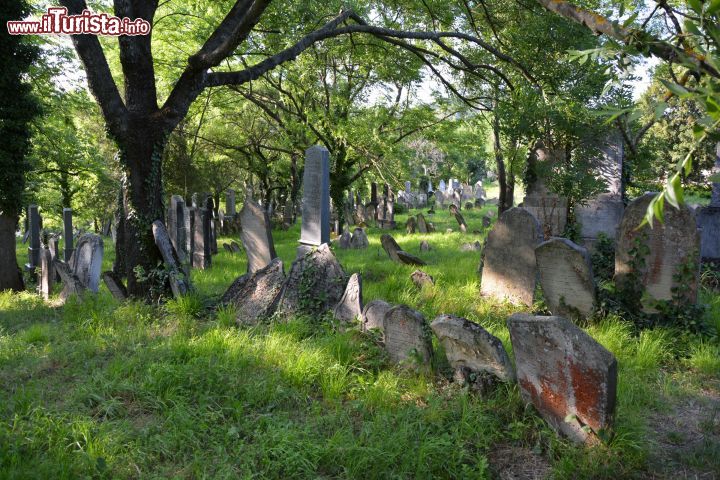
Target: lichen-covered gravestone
{"type": "Point", "coordinates": [421, 224]}
{"type": "Point", "coordinates": [255, 295]}
{"type": "Point", "coordinates": [373, 315]}
{"type": "Point", "coordinates": [350, 306]}
{"type": "Point", "coordinates": [343, 241]}
{"type": "Point", "coordinates": [566, 277]}
{"type": "Point", "coordinates": [509, 269]}
{"type": "Point", "coordinates": [420, 278]}
{"type": "Point", "coordinates": [569, 377]}
{"type": "Point", "coordinates": [660, 259]}
{"type": "Point", "coordinates": [86, 262]}
{"type": "Point", "coordinates": [256, 236]}
{"type": "Point", "coordinates": [407, 335]}
{"type": "Point", "coordinates": [469, 348]}
{"type": "Point", "coordinates": [359, 239]}
{"type": "Point", "coordinates": [315, 284]}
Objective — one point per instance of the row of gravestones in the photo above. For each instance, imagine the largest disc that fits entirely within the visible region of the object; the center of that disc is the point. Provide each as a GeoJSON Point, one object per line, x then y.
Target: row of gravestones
{"type": "Point", "coordinates": [81, 265]}
{"type": "Point", "coordinates": [379, 211]}
{"type": "Point", "coordinates": [515, 257]}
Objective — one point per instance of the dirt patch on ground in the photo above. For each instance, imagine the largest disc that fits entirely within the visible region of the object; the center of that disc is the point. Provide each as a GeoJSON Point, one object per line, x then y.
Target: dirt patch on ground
{"type": "Point", "coordinates": [510, 462]}
{"type": "Point", "coordinates": [686, 439]}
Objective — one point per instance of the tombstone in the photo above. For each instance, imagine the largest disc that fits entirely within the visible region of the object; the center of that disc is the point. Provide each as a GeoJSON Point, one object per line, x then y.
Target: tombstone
{"type": "Point", "coordinates": [315, 230]}
{"type": "Point", "coordinates": [179, 283]}
{"type": "Point", "coordinates": [421, 223]}
{"type": "Point", "coordinates": [373, 193]}
{"type": "Point", "coordinates": [359, 239]}
{"type": "Point", "coordinates": [600, 215]}
{"type": "Point", "coordinates": [671, 245]}
{"type": "Point", "coordinates": [235, 247]}
{"type": "Point", "coordinates": [420, 279]}
{"type": "Point", "coordinates": [373, 315]}
{"type": "Point", "coordinates": [470, 348]}
{"type": "Point", "coordinates": [71, 284]}
{"type": "Point", "coordinates": [509, 269]}
{"type": "Point", "coordinates": [228, 248]}
{"type": "Point", "coordinates": [396, 254]}
{"type": "Point", "coordinates": [410, 225]}
{"type": "Point", "coordinates": [548, 208]}
{"type": "Point", "coordinates": [255, 295]}
{"type": "Point", "coordinates": [471, 247]}
{"type": "Point", "coordinates": [230, 202]}
{"type": "Point", "coordinates": [409, 258]}
{"type": "Point", "coordinates": [256, 236]}
{"type": "Point", "coordinates": [54, 247]}
{"type": "Point", "coordinates": [569, 377]}
{"type": "Point", "coordinates": [288, 213]}
{"type": "Point", "coordinates": [566, 278]}
{"type": "Point", "coordinates": [479, 191]}
{"type": "Point", "coordinates": [459, 218]}
{"type": "Point", "coordinates": [115, 286]}
{"type": "Point", "coordinates": [86, 262]}
{"type": "Point", "coordinates": [422, 200]}
{"type": "Point", "coordinates": [440, 198]}
{"type": "Point", "coordinates": [441, 186]}
{"type": "Point", "coordinates": [201, 254]}
{"type": "Point", "coordinates": [486, 221]}
{"type": "Point", "coordinates": [315, 284]}
{"type": "Point", "coordinates": [47, 273]}
{"type": "Point", "coordinates": [425, 246]}
{"type": "Point", "coordinates": [176, 226]}
{"type": "Point", "coordinates": [34, 229]}
{"type": "Point", "coordinates": [210, 205]}
{"type": "Point", "coordinates": [407, 335]}
{"type": "Point", "coordinates": [343, 241]}
{"type": "Point", "coordinates": [708, 219]}
{"type": "Point", "coordinates": [350, 306]}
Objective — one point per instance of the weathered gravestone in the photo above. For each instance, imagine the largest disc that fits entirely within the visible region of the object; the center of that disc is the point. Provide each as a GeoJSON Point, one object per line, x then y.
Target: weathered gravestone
{"type": "Point", "coordinates": [359, 239]}
{"type": "Point", "coordinates": [210, 206]}
{"type": "Point", "coordinates": [601, 215]}
{"type": "Point", "coordinates": [421, 223]}
{"type": "Point", "coordinates": [343, 241]}
{"type": "Point", "coordinates": [315, 284]}
{"type": "Point", "coordinates": [47, 273]}
{"type": "Point", "coordinates": [407, 335]}
{"type": "Point", "coordinates": [34, 229]}
{"type": "Point", "coordinates": [67, 234]}
{"type": "Point", "coordinates": [708, 219]}
{"type": "Point", "coordinates": [350, 306]}
{"type": "Point", "coordinates": [115, 286]}
{"type": "Point", "coordinates": [650, 260]}
{"type": "Point", "coordinates": [566, 278]}
{"type": "Point", "coordinates": [470, 349]}
{"type": "Point", "coordinates": [420, 278]}
{"type": "Point", "coordinates": [177, 228]}
{"type": "Point", "coordinates": [86, 262]}
{"type": "Point", "coordinates": [471, 247]}
{"type": "Point", "coordinates": [315, 229]}
{"type": "Point", "coordinates": [373, 315]}
{"type": "Point", "coordinates": [179, 282]}
{"type": "Point", "coordinates": [255, 295]}
{"type": "Point", "coordinates": [235, 247]}
{"type": "Point", "coordinates": [547, 207]}
{"type": "Point", "coordinates": [201, 253]}
{"type": "Point", "coordinates": [569, 377]}
{"type": "Point", "coordinates": [228, 248]}
{"type": "Point", "coordinates": [410, 225]}
{"type": "Point", "coordinates": [425, 246]}
{"type": "Point", "coordinates": [509, 269]}
{"type": "Point", "coordinates": [256, 236]}
{"type": "Point", "coordinates": [54, 247]}
{"type": "Point", "coordinates": [229, 202]}
{"type": "Point", "coordinates": [397, 254]}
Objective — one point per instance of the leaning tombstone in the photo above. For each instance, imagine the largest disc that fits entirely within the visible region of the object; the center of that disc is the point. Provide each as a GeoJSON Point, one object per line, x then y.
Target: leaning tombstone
{"type": "Point", "coordinates": [256, 236]}
{"type": "Point", "coordinates": [568, 376]}
{"type": "Point", "coordinates": [315, 228]}
{"type": "Point", "coordinates": [350, 306]}
{"type": "Point", "coordinates": [460, 219]}
{"type": "Point", "coordinates": [179, 283]}
{"type": "Point", "coordinates": [407, 336]}
{"type": "Point", "coordinates": [115, 286]}
{"type": "Point", "coordinates": [566, 278]}
{"type": "Point", "coordinates": [255, 295]}
{"type": "Point", "coordinates": [472, 351]}
{"type": "Point", "coordinates": [509, 269]}
{"type": "Point", "coordinates": [660, 263]}
{"type": "Point", "coordinates": [71, 283]}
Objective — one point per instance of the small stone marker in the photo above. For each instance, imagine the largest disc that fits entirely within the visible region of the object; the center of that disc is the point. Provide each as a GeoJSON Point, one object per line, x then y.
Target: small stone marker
{"type": "Point", "coordinates": [115, 286]}
{"type": "Point", "coordinates": [359, 239]}
{"type": "Point", "coordinates": [373, 315]}
{"type": "Point", "coordinates": [471, 247]}
{"type": "Point", "coordinates": [228, 248]}
{"type": "Point", "coordinates": [256, 236]}
{"type": "Point", "coordinates": [410, 225]}
{"type": "Point", "coordinates": [350, 306]}
{"type": "Point", "coordinates": [422, 224]}
{"type": "Point", "coordinates": [256, 295]}
{"type": "Point", "coordinates": [509, 269]}
{"type": "Point", "coordinates": [420, 278]}
{"type": "Point", "coordinates": [407, 335]}
{"type": "Point", "coordinates": [235, 247]}
{"type": "Point", "coordinates": [315, 229]}
{"type": "Point", "coordinates": [409, 258]}
{"type": "Point", "coordinates": [47, 273]}
{"type": "Point", "coordinates": [671, 246]}
{"type": "Point", "coordinates": [468, 346]}
{"type": "Point", "coordinates": [425, 246]}
{"type": "Point", "coordinates": [343, 241]}
{"type": "Point", "coordinates": [569, 377]}
{"type": "Point", "coordinates": [315, 284]}
{"type": "Point", "coordinates": [566, 278]}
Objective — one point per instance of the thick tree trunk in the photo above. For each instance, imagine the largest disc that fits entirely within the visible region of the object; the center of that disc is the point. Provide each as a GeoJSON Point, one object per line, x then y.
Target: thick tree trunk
{"type": "Point", "coordinates": [141, 156]}
{"type": "Point", "coordinates": [505, 201]}
{"type": "Point", "coordinates": [119, 267]}
{"type": "Point", "coordinates": [10, 274]}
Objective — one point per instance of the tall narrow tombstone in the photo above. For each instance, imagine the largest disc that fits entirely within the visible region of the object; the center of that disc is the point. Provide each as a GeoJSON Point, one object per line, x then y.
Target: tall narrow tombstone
{"type": "Point", "coordinates": [509, 269]}
{"type": "Point", "coordinates": [256, 236]}
{"type": "Point", "coordinates": [408, 187]}
{"type": "Point", "coordinates": [373, 193]}
{"type": "Point", "coordinates": [54, 247]}
{"type": "Point", "coordinates": [315, 229]}
{"type": "Point", "coordinates": [568, 376]}
{"type": "Point", "coordinates": [210, 206]}
{"type": "Point", "coordinates": [47, 273]}
{"type": "Point", "coordinates": [86, 262]}
{"type": "Point", "coordinates": [201, 255]}
{"type": "Point", "coordinates": [68, 233]}
{"type": "Point", "coordinates": [566, 278]}
{"type": "Point", "coordinates": [651, 258]}
{"type": "Point", "coordinates": [441, 186]}
{"type": "Point", "coordinates": [177, 228]}
{"type": "Point", "coordinates": [229, 202]}
{"type": "Point", "coordinates": [34, 229]}
{"type": "Point", "coordinates": [708, 219]}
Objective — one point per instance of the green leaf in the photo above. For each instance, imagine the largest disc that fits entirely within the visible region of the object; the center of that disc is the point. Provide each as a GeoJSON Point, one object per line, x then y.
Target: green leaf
{"type": "Point", "coordinates": [696, 5]}
{"type": "Point", "coordinates": [713, 7]}
{"type": "Point", "coordinates": [691, 27]}
{"type": "Point", "coordinates": [660, 109]}
{"type": "Point", "coordinates": [676, 89]}
{"type": "Point", "coordinates": [674, 192]}
{"type": "Point", "coordinates": [630, 20]}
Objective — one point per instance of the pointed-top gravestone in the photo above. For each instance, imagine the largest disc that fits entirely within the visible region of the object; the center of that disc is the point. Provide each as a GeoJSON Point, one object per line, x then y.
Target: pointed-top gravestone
{"type": "Point", "coordinates": [421, 223]}
{"type": "Point", "coordinates": [509, 269]}
{"type": "Point", "coordinates": [315, 229]}
{"type": "Point", "coordinates": [649, 260]}
{"type": "Point", "coordinates": [256, 236]}
{"type": "Point", "coordinates": [566, 278]}
{"type": "Point", "coordinates": [568, 376]}
{"type": "Point", "coordinates": [350, 306]}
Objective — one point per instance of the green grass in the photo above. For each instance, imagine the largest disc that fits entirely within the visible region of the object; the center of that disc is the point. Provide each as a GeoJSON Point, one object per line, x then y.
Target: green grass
{"type": "Point", "coordinates": [107, 390]}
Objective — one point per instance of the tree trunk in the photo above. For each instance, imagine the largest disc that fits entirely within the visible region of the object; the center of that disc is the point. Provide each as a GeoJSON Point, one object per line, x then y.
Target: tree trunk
{"type": "Point", "coordinates": [505, 201]}
{"type": "Point", "coordinates": [10, 274]}
{"type": "Point", "coordinates": [119, 267]}
{"type": "Point", "coordinates": [141, 156]}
